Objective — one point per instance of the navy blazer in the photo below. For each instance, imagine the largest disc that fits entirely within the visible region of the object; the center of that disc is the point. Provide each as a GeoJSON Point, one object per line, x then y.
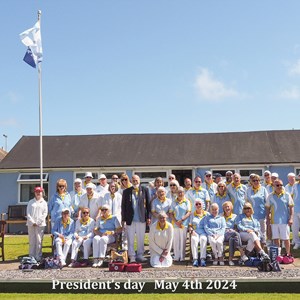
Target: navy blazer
{"type": "Point", "coordinates": [143, 205]}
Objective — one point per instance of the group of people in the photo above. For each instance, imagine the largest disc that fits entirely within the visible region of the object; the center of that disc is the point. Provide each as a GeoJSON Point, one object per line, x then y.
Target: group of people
{"type": "Point", "coordinates": [213, 211]}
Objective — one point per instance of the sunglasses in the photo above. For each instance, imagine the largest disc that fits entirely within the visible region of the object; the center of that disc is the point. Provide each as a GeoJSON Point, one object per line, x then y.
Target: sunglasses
{"type": "Point", "coordinates": [255, 180]}
{"type": "Point", "coordinates": [246, 208]}
{"type": "Point", "coordinates": [172, 184]}
{"type": "Point", "coordinates": [124, 179]}
{"type": "Point", "coordinates": [61, 186]}
{"type": "Point", "coordinates": [104, 209]}
{"type": "Point", "coordinates": [198, 204]}
{"type": "Point", "coordinates": [221, 186]}
{"type": "Point", "coordinates": [85, 212]}
{"type": "Point", "coordinates": [197, 181]}
{"type": "Point", "coordinates": [207, 175]}
{"type": "Point", "coordinates": [278, 185]}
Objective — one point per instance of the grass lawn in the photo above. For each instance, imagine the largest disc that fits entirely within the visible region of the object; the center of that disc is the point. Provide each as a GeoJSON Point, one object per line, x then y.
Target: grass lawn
{"type": "Point", "coordinates": [154, 296]}
{"type": "Point", "coordinates": [17, 246]}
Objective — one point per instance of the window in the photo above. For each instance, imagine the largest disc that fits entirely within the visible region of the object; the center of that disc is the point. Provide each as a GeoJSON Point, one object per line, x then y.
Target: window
{"type": "Point", "coordinates": [27, 182]}
{"type": "Point", "coordinates": [245, 173]}
{"type": "Point", "coordinates": [148, 176]}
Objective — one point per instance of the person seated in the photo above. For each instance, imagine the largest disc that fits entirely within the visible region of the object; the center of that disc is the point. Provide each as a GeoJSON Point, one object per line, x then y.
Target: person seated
{"type": "Point", "coordinates": [63, 231]}
{"type": "Point", "coordinates": [198, 234]}
{"type": "Point", "coordinates": [231, 235]}
{"type": "Point", "coordinates": [249, 229]}
{"type": "Point", "coordinates": [214, 227]}
{"type": "Point", "coordinates": [83, 235]}
{"type": "Point", "coordinates": [104, 233]}
{"type": "Point", "coordinates": [160, 242]}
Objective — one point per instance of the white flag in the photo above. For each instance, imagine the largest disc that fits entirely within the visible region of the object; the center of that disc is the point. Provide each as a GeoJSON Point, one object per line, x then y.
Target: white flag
{"type": "Point", "coordinates": [32, 39]}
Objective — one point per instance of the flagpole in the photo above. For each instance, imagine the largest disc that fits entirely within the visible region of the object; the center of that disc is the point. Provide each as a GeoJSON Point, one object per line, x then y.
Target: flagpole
{"type": "Point", "coordinates": [39, 65]}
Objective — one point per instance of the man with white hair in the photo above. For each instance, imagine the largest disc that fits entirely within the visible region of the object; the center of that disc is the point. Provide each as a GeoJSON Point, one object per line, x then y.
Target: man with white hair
{"type": "Point", "coordinates": [237, 192]}
{"type": "Point", "coordinates": [296, 219]}
{"type": "Point", "coordinates": [75, 196]}
{"type": "Point", "coordinates": [291, 181]}
{"type": "Point", "coordinates": [136, 213]}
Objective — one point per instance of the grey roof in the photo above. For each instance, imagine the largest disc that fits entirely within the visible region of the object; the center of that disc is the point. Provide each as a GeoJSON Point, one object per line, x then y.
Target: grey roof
{"type": "Point", "coordinates": [118, 150]}
{"type": "Point", "coordinates": [2, 154]}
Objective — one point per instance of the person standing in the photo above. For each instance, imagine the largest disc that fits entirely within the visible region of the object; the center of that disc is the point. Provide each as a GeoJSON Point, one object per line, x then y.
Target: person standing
{"type": "Point", "coordinates": [37, 211]}
{"type": "Point", "coordinates": [75, 196]}
{"type": "Point", "coordinates": [209, 184]}
{"type": "Point", "coordinates": [291, 181]}
{"type": "Point", "coordinates": [280, 207]}
{"type": "Point", "coordinates": [136, 214]}
{"type": "Point", "coordinates": [237, 193]}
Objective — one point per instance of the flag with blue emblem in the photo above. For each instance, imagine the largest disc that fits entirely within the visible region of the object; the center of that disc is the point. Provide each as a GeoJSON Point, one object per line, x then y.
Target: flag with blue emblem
{"type": "Point", "coordinates": [31, 38]}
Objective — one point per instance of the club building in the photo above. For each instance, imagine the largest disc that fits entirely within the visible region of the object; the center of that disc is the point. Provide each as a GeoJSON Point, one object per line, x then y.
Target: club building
{"type": "Point", "coordinates": [147, 155]}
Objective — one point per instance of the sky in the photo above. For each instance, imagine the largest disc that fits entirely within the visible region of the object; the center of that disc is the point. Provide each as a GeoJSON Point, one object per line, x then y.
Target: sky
{"type": "Point", "coordinates": [151, 66]}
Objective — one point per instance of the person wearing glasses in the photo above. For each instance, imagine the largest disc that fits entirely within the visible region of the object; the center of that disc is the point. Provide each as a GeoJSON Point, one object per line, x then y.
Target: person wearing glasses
{"type": "Point", "coordinates": [280, 209]}
{"type": "Point", "coordinates": [198, 192]}
{"type": "Point", "coordinates": [75, 197]}
{"type": "Point", "coordinates": [180, 212]}
{"type": "Point", "coordinates": [83, 235]}
{"type": "Point", "coordinates": [37, 211]}
{"type": "Point", "coordinates": [198, 234]}
{"type": "Point", "coordinates": [124, 183]}
{"type": "Point", "coordinates": [170, 178]}
{"type": "Point", "coordinates": [63, 231]}
{"type": "Point", "coordinates": [104, 233]}
{"type": "Point", "coordinates": [159, 204]}
{"type": "Point", "coordinates": [209, 184]}
{"type": "Point", "coordinates": [88, 179]}
{"type": "Point", "coordinates": [237, 193]}
{"type": "Point", "coordinates": [257, 195]}
{"type": "Point", "coordinates": [136, 214]}
{"type": "Point", "coordinates": [221, 196]}
{"type": "Point", "coordinates": [115, 179]}
{"type": "Point", "coordinates": [90, 200]}
{"type": "Point", "coordinates": [231, 235]}
{"type": "Point", "coordinates": [160, 242]}
{"type": "Point", "coordinates": [249, 229]}
{"type": "Point", "coordinates": [172, 193]}
{"type": "Point", "coordinates": [214, 227]}
{"type": "Point", "coordinates": [61, 199]}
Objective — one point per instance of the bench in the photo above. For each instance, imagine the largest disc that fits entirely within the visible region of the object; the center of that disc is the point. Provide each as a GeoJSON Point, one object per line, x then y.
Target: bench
{"type": "Point", "coordinates": [16, 214]}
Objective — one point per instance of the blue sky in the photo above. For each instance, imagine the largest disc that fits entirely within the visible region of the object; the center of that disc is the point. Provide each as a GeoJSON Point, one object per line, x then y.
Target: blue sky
{"type": "Point", "coordinates": [151, 66]}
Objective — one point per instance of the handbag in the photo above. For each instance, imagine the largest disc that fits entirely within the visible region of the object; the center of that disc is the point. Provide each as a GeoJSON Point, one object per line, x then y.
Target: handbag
{"type": "Point", "coordinates": [116, 266]}
{"type": "Point", "coordinates": [133, 267]}
{"type": "Point", "coordinates": [119, 256]}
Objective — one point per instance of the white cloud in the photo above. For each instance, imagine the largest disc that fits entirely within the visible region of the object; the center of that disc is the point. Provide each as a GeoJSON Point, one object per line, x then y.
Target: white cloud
{"type": "Point", "coordinates": [210, 88]}
{"type": "Point", "coordinates": [294, 69]}
{"type": "Point", "coordinates": [9, 122]}
{"type": "Point", "coordinates": [292, 93]}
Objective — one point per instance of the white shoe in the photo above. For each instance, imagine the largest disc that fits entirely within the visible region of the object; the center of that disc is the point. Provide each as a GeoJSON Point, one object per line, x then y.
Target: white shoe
{"type": "Point", "coordinates": [244, 257]}
{"type": "Point", "coordinates": [231, 263]}
{"type": "Point", "coordinates": [215, 263]}
{"type": "Point", "coordinates": [95, 264]}
{"type": "Point", "coordinates": [100, 263]}
{"type": "Point", "coordinates": [63, 263]}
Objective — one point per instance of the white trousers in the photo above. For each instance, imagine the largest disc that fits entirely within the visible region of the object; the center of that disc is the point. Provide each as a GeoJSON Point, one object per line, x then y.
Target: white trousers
{"type": "Point", "coordinates": [136, 229]}
{"type": "Point", "coordinates": [179, 243]}
{"type": "Point", "coordinates": [295, 228]}
{"type": "Point", "coordinates": [155, 263]}
{"type": "Point", "coordinates": [195, 240]}
{"type": "Point", "coordinates": [35, 236]}
{"type": "Point", "coordinates": [216, 245]}
{"type": "Point", "coordinates": [263, 230]}
{"type": "Point", "coordinates": [250, 238]}
{"type": "Point", "coordinates": [100, 245]}
{"type": "Point", "coordinates": [87, 247]}
{"type": "Point", "coordinates": [62, 249]}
